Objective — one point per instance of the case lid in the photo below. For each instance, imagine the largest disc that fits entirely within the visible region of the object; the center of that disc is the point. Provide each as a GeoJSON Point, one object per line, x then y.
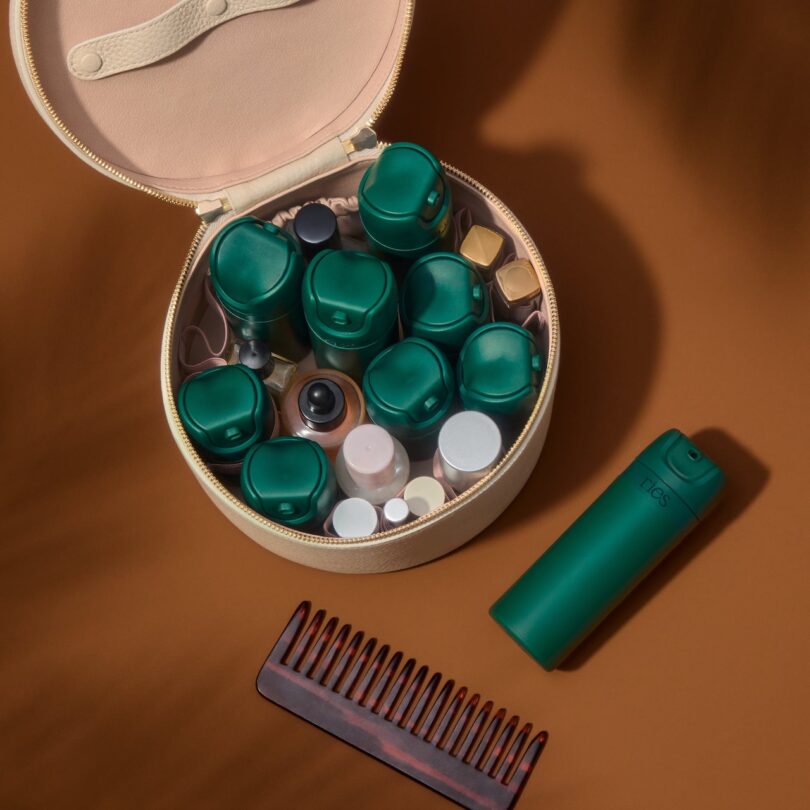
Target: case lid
{"type": "Point", "coordinates": [255, 93]}
{"type": "Point", "coordinates": [409, 387]}
{"type": "Point", "coordinates": [444, 299]}
{"type": "Point", "coordinates": [349, 298]}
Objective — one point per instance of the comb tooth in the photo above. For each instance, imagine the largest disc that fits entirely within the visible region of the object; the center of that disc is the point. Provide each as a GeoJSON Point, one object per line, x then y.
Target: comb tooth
{"type": "Point", "coordinates": [512, 753]}
{"type": "Point", "coordinates": [421, 703]}
{"type": "Point", "coordinates": [306, 639]}
{"type": "Point", "coordinates": [283, 645]}
{"type": "Point", "coordinates": [346, 659]}
{"type": "Point", "coordinates": [347, 688]}
{"type": "Point", "coordinates": [383, 681]}
{"type": "Point", "coordinates": [390, 701]}
{"type": "Point", "coordinates": [317, 649]}
{"type": "Point", "coordinates": [486, 738]}
{"type": "Point", "coordinates": [455, 734]}
{"type": "Point", "coordinates": [331, 653]}
{"type": "Point", "coordinates": [500, 744]}
{"type": "Point", "coordinates": [528, 760]}
{"type": "Point", "coordinates": [361, 693]}
{"type": "Point", "coordinates": [447, 717]}
{"type": "Point", "coordinates": [435, 709]}
{"type": "Point", "coordinates": [414, 686]}
{"type": "Point", "coordinates": [479, 721]}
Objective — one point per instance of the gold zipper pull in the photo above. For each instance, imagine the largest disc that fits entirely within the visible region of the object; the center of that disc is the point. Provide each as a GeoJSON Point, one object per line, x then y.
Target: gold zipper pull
{"type": "Point", "coordinates": [209, 210]}
{"type": "Point", "coordinates": [365, 138]}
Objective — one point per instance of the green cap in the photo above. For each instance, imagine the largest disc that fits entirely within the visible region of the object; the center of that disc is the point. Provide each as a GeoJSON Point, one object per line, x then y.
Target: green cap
{"type": "Point", "coordinates": [405, 201]}
{"type": "Point", "coordinates": [289, 480]}
{"type": "Point", "coordinates": [444, 299]}
{"type": "Point", "coordinates": [350, 298]}
{"type": "Point", "coordinates": [409, 389]}
{"type": "Point", "coordinates": [500, 370]}
{"type": "Point", "coordinates": [225, 411]}
{"type": "Point", "coordinates": [256, 269]}
{"type": "Point", "coordinates": [691, 475]}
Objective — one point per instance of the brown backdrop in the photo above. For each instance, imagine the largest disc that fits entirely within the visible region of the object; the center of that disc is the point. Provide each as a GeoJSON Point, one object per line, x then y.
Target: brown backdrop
{"type": "Point", "coordinates": [658, 153]}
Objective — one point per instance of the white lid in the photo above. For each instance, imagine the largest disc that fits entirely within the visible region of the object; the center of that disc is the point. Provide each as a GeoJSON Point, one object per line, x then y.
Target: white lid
{"type": "Point", "coordinates": [396, 511]}
{"type": "Point", "coordinates": [369, 455]}
{"type": "Point", "coordinates": [469, 441]}
{"type": "Point", "coordinates": [354, 517]}
{"type": "Point", "coordinates": [423, 495]}
{"type": "Point", "coordinates": [250, 96]}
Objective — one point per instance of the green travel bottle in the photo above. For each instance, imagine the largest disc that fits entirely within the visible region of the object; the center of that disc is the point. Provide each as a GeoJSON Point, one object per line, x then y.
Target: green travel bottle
{"type": "Point", "coordinates": [405, 202]}
{"type": "Point", "coordinates": [256, 273]}
{"type": "Point", "coordinates": [410, 390]}
{"type": "Point", "coordinates": [225, 411]}
{"type": "Point", "coordinates": [290, 480]}
{"type": "Point", "coordinates": [499, 372]}
{"type": "Point", "coordinates": [350, 305]}
{"type": "Point", "coordinates": [443, 300]}
{"type": "Point", "coordinates": [634, 523]}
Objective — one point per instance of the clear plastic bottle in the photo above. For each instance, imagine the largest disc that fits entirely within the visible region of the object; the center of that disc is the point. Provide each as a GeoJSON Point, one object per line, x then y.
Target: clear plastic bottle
{"type": "Point", "coordinates": [372, 464]}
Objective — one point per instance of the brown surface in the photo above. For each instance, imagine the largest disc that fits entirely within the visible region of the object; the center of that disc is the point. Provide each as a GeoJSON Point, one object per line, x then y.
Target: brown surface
{"type": "Point", "coordinates": [658, 153]}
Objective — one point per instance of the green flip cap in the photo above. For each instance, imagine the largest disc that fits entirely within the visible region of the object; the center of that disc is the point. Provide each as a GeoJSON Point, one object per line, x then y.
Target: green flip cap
{"type": "Point", "coordinates": [350, 304]}
{"type": "Point", "coordinates": [225, 411]}
{"type": "Point", "coordinates": [444, 299]}
{"type": "Point", "coordinates": [405, 202]}
{"type": "Point", "coordinates": [409, 390]}
{"type": "Point", "coordinates": [625, 533]}
{"type": "Point", "coordinates": [256, 273]}
{"type": "Point", "coordinates": [500, 371]}
{"type": "Point", "coordinates": [289, 480]}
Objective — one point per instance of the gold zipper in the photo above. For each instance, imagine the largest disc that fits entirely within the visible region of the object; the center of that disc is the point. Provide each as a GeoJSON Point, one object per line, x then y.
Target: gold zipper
{"type": "Point", "coordinates": [436, 514]}
{"type": "Point", "coordinates": [394, 76]}
{"type": "Point", "coordinates": [63, 128]}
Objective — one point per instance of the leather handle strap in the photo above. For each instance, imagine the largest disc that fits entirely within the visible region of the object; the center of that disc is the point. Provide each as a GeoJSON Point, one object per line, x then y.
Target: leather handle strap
{"type": "Point", "coordinates": [154, 40]}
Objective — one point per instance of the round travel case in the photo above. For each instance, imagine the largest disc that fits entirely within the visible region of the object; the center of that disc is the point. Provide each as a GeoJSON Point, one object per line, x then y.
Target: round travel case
{"type": "Point", "coordinates": [254, 108]}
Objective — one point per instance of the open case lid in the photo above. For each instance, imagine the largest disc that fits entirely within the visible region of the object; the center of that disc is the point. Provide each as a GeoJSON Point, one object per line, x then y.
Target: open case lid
{"type": "Point", "coordinates": [262, 96]}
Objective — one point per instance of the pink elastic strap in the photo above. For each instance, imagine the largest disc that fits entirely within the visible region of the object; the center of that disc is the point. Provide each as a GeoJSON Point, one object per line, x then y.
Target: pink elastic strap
{"type": "Point", "coordinates": [215, 356]}
{"type": "Point", "coordinates": [535, 323]}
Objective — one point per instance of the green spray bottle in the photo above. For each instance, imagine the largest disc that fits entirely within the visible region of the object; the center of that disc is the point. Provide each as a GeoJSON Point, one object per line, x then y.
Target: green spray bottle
{"type": "Point", "coordinates": [623, 535]}
{"type": "Point", "coordinates": [290, 480]}
{"type": "Point", "coordinates": [405, 203]}
{"type": "Point", "coordinates": [350, 305]}
{"type": "Point", "coordinates": [256, 273]}
{"type": "Point", "coordinates": [443, 300]}
{"type": "Point", "coordinates": [225, 410]}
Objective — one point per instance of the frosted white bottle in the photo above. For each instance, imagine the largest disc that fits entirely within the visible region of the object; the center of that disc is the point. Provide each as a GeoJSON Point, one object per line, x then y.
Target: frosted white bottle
{"type": "Point", "coordinates": [372, 464]}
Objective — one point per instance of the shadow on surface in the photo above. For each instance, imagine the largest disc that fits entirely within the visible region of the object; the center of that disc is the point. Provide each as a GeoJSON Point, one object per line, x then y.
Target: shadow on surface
{"type": "Point", "coordinates": [730, 81]}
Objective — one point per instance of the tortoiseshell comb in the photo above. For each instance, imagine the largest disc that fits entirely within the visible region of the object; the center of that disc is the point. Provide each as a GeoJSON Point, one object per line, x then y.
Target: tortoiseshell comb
{"type": "Point", "coordinates": [381, 708]}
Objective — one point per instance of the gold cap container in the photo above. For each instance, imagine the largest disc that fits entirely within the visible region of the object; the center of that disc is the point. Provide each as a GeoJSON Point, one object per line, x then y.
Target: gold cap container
{"type": "Point", "coordinates": [483, 247]}
{"type": "Point", "coordinates": [516, 291]}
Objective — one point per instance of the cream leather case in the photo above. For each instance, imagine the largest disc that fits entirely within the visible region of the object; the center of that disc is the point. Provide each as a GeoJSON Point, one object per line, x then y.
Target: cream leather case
{"type": "Point", "coordinates": [233, 107]}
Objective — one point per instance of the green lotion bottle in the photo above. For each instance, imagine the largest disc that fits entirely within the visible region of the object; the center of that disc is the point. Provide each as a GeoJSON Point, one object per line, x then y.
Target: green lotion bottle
{"type": "Point", "coordinates": [622, 536]}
